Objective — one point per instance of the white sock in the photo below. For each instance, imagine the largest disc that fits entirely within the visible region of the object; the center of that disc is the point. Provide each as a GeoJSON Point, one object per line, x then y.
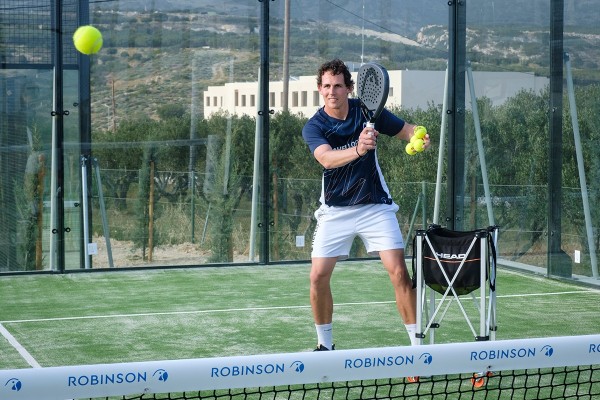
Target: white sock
{"type": "Point", "coordinates": [325, 335]}
{"type": "Point", "coordinates": [412, 329]}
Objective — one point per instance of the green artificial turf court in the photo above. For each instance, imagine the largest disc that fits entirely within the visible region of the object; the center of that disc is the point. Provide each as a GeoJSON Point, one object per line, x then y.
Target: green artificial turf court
{"type": "Point", "coordinates": [145, 315]}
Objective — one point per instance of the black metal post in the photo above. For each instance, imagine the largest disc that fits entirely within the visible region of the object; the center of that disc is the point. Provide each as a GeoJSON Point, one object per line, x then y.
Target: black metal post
{"type": "Point", "coordinates": [58, 115]}
{"type": "Point", "coordinates": [263, 113]}
{"type": "Point", "coordinates": [85, 120]}
{"type": "Point", "coordinates": [457, 30]}
{"type": "Point", "coordinates": [559, 263]}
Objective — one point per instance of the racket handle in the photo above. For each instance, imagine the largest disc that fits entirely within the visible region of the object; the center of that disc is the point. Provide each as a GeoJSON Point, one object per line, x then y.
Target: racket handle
{"type": "Point", "coordinates": [370, 125]}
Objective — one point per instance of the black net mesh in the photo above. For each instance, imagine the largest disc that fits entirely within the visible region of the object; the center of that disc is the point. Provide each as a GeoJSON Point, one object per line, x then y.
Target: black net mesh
{"type": "Point", "coordinates": [581, 382]}
{"type": "Point", "coordinates": [28, 31]}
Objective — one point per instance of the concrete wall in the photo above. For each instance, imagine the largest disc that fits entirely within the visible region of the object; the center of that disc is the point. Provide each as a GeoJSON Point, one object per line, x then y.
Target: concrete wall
{"type": "Point", "coordinates": [408, 89]}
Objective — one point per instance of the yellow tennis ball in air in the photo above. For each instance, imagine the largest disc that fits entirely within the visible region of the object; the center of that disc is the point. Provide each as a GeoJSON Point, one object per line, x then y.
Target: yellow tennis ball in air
{"type": "Point", "coordinates": [410, 149]}
{"type": "Point", "coordinates": [87, 39]}
{"type": "Point", "coordinates": [420, 132]}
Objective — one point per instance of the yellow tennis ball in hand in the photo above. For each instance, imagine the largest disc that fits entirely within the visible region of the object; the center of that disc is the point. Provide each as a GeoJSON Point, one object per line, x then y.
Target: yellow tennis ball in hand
{"type": "Point", "coordinates": [420, 132]}
{"type": "Point", "coordinates": [410, 150]}
{"type": "Point", "coordinates": [87, 39]}
{"type": "Point", "coordinates": [418, 145]}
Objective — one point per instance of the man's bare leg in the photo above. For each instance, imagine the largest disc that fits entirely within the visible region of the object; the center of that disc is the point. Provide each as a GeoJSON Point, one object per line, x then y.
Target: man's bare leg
{"type": "Point", "coordinates": [406, 298]}
{"type": "Point", "coordinates": [321, 298]}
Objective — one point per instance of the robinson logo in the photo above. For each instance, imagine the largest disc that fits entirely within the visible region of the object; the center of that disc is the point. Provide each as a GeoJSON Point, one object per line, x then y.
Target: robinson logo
{"type": "Point", "coordinates": [14, 384]}
{"type": "Point", "coordinates": [547, 350]}
{"type": "Point", "coordinates": [161, 375]}
{"type": "Point", "coordinates": [117, 378]}
{"type": "Point", "coordinates": [426, 358]}
{"type": "Point", "coordinates": [297, 366]}
{"type": "Point", "coordinates": [514, 352]}
{"type": "Point", "coordinates": [387, 361]}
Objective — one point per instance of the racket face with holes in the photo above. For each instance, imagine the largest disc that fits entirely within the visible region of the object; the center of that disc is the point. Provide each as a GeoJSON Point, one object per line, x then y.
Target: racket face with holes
{"type": "Point", "coordinates": [373, 85]}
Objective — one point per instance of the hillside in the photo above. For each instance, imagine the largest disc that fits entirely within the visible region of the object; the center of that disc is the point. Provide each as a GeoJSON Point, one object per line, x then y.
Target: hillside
{"type": "Point", "coordinates": [151, 57]}
{"type": "Point", "coordinates": [406, 15]}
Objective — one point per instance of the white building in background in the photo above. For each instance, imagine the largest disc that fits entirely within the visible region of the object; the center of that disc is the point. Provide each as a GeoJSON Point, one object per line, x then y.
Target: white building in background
{"type": "Point", "coordinates": [408, 90]}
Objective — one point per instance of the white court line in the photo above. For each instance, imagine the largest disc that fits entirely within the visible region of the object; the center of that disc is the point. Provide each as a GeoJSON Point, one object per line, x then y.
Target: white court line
{"type": "Point", "coordinates": [14, 343]}
{"type": "Point", "coordinates": [214, 311]}
{"type": "Point", "coordinates": [549, 294]}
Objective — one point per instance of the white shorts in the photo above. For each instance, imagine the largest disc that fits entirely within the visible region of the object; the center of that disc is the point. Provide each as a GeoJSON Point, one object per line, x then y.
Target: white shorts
{"type": "Point", "coordinates": [375, 224]}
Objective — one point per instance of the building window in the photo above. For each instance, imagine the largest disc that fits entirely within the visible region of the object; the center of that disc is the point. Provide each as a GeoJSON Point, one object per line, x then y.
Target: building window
{"type": "Point", "coordinates": [316, 98]}
{"type": "Point", "coordinates": [294, 99]}
{"type": "Point", "coordinates": [208, 101]}
{"type": "Point", "coordinates": [252, 100]}
{"type": "Point", "coordinates": [236, 98]}
{"type": "Point", "coordinates": [391, 92]}
{"type": "Point", "coordinates": [304, 98]}
{"type": "Point", "coordinates": [271, 99]}
{"type": "Point", "coordinates": [243, 100]}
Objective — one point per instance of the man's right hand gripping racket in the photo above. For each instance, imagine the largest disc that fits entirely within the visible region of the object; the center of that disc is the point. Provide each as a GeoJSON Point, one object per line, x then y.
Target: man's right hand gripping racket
{"type": "Point", "coordinates": [373, 86]}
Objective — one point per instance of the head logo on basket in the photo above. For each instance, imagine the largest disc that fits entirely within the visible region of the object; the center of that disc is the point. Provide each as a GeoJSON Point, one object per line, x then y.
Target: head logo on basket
{"type": "Point", "coordinates": [449, 256]}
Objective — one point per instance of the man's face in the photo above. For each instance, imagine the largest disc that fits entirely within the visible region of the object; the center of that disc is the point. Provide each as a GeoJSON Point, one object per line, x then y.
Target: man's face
{"type": "Point", "coordinates": [334, 90]}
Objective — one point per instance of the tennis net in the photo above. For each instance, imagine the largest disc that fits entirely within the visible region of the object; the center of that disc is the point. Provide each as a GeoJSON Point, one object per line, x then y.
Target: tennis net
{"type": "Point", "coordinates": [540, 368]}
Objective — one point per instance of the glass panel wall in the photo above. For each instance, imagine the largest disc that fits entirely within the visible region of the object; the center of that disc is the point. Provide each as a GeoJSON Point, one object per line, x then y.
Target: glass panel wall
{"type": "Point", "coordinates": [507, 126]}
{"type": "Point", "coordinates": [177, 187]}
{"type": "Point", "coordinates": [355, 32]}
{"type": "Point", "coordinates": [581, 137]}
{"type": "Point", "coordinates": [182, 170]}
{"type": "Point", "coordinates": [524, 169]}
{"type": "Point", "coordinates": [31, 120]}
{"type": "Point", "coordinates": [179, 86]}
{"type": "Point", "coordinates": [26, 137]}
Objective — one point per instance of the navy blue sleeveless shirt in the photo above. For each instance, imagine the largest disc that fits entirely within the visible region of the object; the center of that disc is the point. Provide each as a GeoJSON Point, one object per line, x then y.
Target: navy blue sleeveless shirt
{"type": "Point", "coordinates": [360, 181]}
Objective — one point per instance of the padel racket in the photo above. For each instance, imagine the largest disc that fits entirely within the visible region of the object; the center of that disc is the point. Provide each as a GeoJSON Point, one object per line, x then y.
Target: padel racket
{"type": "Point", "coordinates": [373, 86]}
